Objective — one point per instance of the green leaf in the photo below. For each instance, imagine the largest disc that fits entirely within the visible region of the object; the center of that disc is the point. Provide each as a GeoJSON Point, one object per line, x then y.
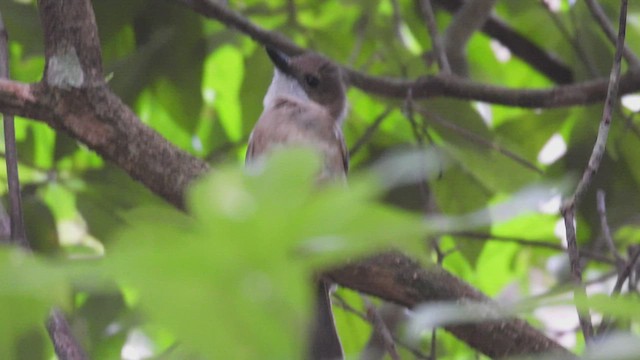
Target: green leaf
{"type": "Point", "coordinates": [252, 242]}
{"type": "Point", "coordinates": [223, 76]}
{"type": "Point", "coordinates": [30, 287]}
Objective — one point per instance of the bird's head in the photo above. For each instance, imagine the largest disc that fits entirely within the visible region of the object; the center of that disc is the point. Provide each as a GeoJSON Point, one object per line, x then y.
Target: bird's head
{"type": "Point", "coordinates": [308, 76]}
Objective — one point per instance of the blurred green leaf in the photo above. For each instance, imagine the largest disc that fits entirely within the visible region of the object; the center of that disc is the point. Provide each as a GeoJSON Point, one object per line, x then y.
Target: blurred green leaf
{"type": "Point", "coordinates": [252, 244]}
{"type": "Point", "coordinates": [223, 76]}
{"type": "Point", "coordinates": [29, 288]}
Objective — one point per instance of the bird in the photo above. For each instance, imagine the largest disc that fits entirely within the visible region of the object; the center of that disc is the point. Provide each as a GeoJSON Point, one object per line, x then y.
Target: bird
{"type": "Point", "coordinates": [305, 105]}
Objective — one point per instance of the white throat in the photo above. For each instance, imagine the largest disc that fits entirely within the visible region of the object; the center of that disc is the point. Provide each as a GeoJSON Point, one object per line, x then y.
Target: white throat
{"type": "Point", "coordinates": [283, 85]}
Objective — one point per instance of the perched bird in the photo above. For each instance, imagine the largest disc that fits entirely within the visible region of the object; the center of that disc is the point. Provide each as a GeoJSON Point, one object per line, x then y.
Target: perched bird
{"type": "Point", "coordinates": [305, 105]}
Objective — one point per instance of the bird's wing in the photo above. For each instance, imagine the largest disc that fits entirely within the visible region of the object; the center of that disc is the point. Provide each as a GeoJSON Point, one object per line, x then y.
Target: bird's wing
{"type": "Point", "coordinates": [343, 149]}
{"type": "Point", "coordinates": [249, 155]}
{"type": "Point", "coordinates": [291, 122]}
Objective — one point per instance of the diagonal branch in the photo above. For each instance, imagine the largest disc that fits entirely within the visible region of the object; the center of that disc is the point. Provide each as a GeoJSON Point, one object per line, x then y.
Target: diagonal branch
{"type": "Point", "coordinates": [598, 13]}
{"type": "Point", "coordinates": [74, 98]}
{"type": "Point", "coordinates": [99, 119]}
{"type": "Point", "coordinates": [467, 20]}
{"type": "Point", "coordinates": [434, 86]}
{"type": "Point", "coordinates": [438, 47]}
{"type": "Point", "coordinates": [394, 277]}
{"type": "Point", "coordinates": [519, 45]}
{"type": "Point", "coordinates": [569, 205]}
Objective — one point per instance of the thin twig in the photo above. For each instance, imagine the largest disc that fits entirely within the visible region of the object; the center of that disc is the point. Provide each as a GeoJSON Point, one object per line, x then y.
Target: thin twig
{"type": "Point", "coordinates": [419, 132]}
{"type": "Point", "coordinates": [342, 303]}
{"type": "Point", "coordinates": [605, 123]}
{"type": "Point", "coordinates": [433, 349]}
{"type": "Point", "coordinates": [292, 13]}
{"type": "Point", "coordinates": [628, 124]}
{"type": "Point", "coordinates": [576, 272]}
{"type": "Point", "coordinates": [529, 242]}
{"type": "Point", "coordinates": [606, 232]}
{"type": "Point", "coordinates": [360, 31]}
{"type": "Point", "coordinates": [575, 44]}
{"type": "Point", "coordinates": [617, 288]}
{"type": "Point", "coordinates": [438, 46]}
{"type": "Point", "coordinates": [366, 137]}
{"type": "Point", "coordinates": [397, 18]}
{"type": "Point", "coordinates": [381, 328]}
{"type": "Point", "coordinates": [471, 136]}
{"type": "Point", "coordinates": [633, 259]}
{"type": "Point", "coordinates": [632, 285]}
{"type": "Point", "coordinates": [18, 235]}
{"type": "Point", "coordinates": [409, 115]}
{"type": "Point", "coordinates": [598, 13]}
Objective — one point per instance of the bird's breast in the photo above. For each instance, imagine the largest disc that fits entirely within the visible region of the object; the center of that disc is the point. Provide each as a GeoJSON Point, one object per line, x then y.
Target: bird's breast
{"type": "Point", "coordinates": [290, 122]}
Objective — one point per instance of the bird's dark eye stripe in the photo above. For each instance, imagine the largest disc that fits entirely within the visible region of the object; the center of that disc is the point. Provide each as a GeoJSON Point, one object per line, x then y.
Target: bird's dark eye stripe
{"type": "Point", "coordinates": [311, 80]}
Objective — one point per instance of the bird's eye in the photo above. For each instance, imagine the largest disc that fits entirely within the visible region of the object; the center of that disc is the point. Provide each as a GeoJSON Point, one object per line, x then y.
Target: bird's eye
{"type": "Point", "coordinates": [311, 80]}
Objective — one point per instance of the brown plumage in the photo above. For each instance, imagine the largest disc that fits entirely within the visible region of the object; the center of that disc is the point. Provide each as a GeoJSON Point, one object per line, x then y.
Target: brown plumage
{"type": "Point", "coordinates": [290, 122]}
{"type": "Point", "coordinates": [305, 106]}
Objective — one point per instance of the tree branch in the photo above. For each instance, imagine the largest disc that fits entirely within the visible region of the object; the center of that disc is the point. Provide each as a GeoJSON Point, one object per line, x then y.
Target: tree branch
{"type": "Point", "coordinates": [519, 46]}
{"type": "Point", "coordinates": [614, 84]}
{"type": "Point", "coordinates": [598, 13]}
{"type": "Point", "coordinates": [466, 21]}
{"type": "Point", "coordinates": [99, 119]}
{"type": "Point", "coordinates": [72, 47]}
{"type": "Point", "coordinates": [65, 345]}
{"type": "Point", "coordinates": [17, 233]}
{"type": "Point", "coordinates": [436, 86]}
{"type": "Point", "coordinates": [436, 40]}
{"type": "Point", "coordinates": [394, 277]}
{"type": "Point", "coordinates": [569, 205]}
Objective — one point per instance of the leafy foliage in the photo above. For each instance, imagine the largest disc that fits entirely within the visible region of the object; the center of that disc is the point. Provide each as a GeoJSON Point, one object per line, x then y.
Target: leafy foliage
{"type": "Point", "coordinates": [236, 249]}
{"type": "Point", "coordinates": [252, 241]}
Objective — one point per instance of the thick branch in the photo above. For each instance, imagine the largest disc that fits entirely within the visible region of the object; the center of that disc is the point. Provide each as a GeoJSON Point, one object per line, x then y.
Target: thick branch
{"type": "Point", "coordinates": [72, 46]}
{"type": "Point", "coordinates": [99, 119]}
{"type": "Point", "coordinates": [394, 277]}
{"type": "Point", "coordinates": [519, 46]}
{"type": "Point", "coordinates": [74, 98]}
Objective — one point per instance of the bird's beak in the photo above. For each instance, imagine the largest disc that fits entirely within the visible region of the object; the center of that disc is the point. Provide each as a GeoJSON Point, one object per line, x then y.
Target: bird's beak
{"type": "Point", "coordinates": [280, 60]}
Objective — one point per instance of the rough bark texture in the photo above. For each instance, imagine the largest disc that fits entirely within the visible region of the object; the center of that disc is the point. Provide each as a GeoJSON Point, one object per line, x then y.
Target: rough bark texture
{"type": "Point", "coordinates": [73, 97]}
{"type": "Point", "coordinates": [397, 278]}
{"type": "Point", "coordinates": [64, 343]}
{"type": "Point", "coordinates": [106, 125]}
